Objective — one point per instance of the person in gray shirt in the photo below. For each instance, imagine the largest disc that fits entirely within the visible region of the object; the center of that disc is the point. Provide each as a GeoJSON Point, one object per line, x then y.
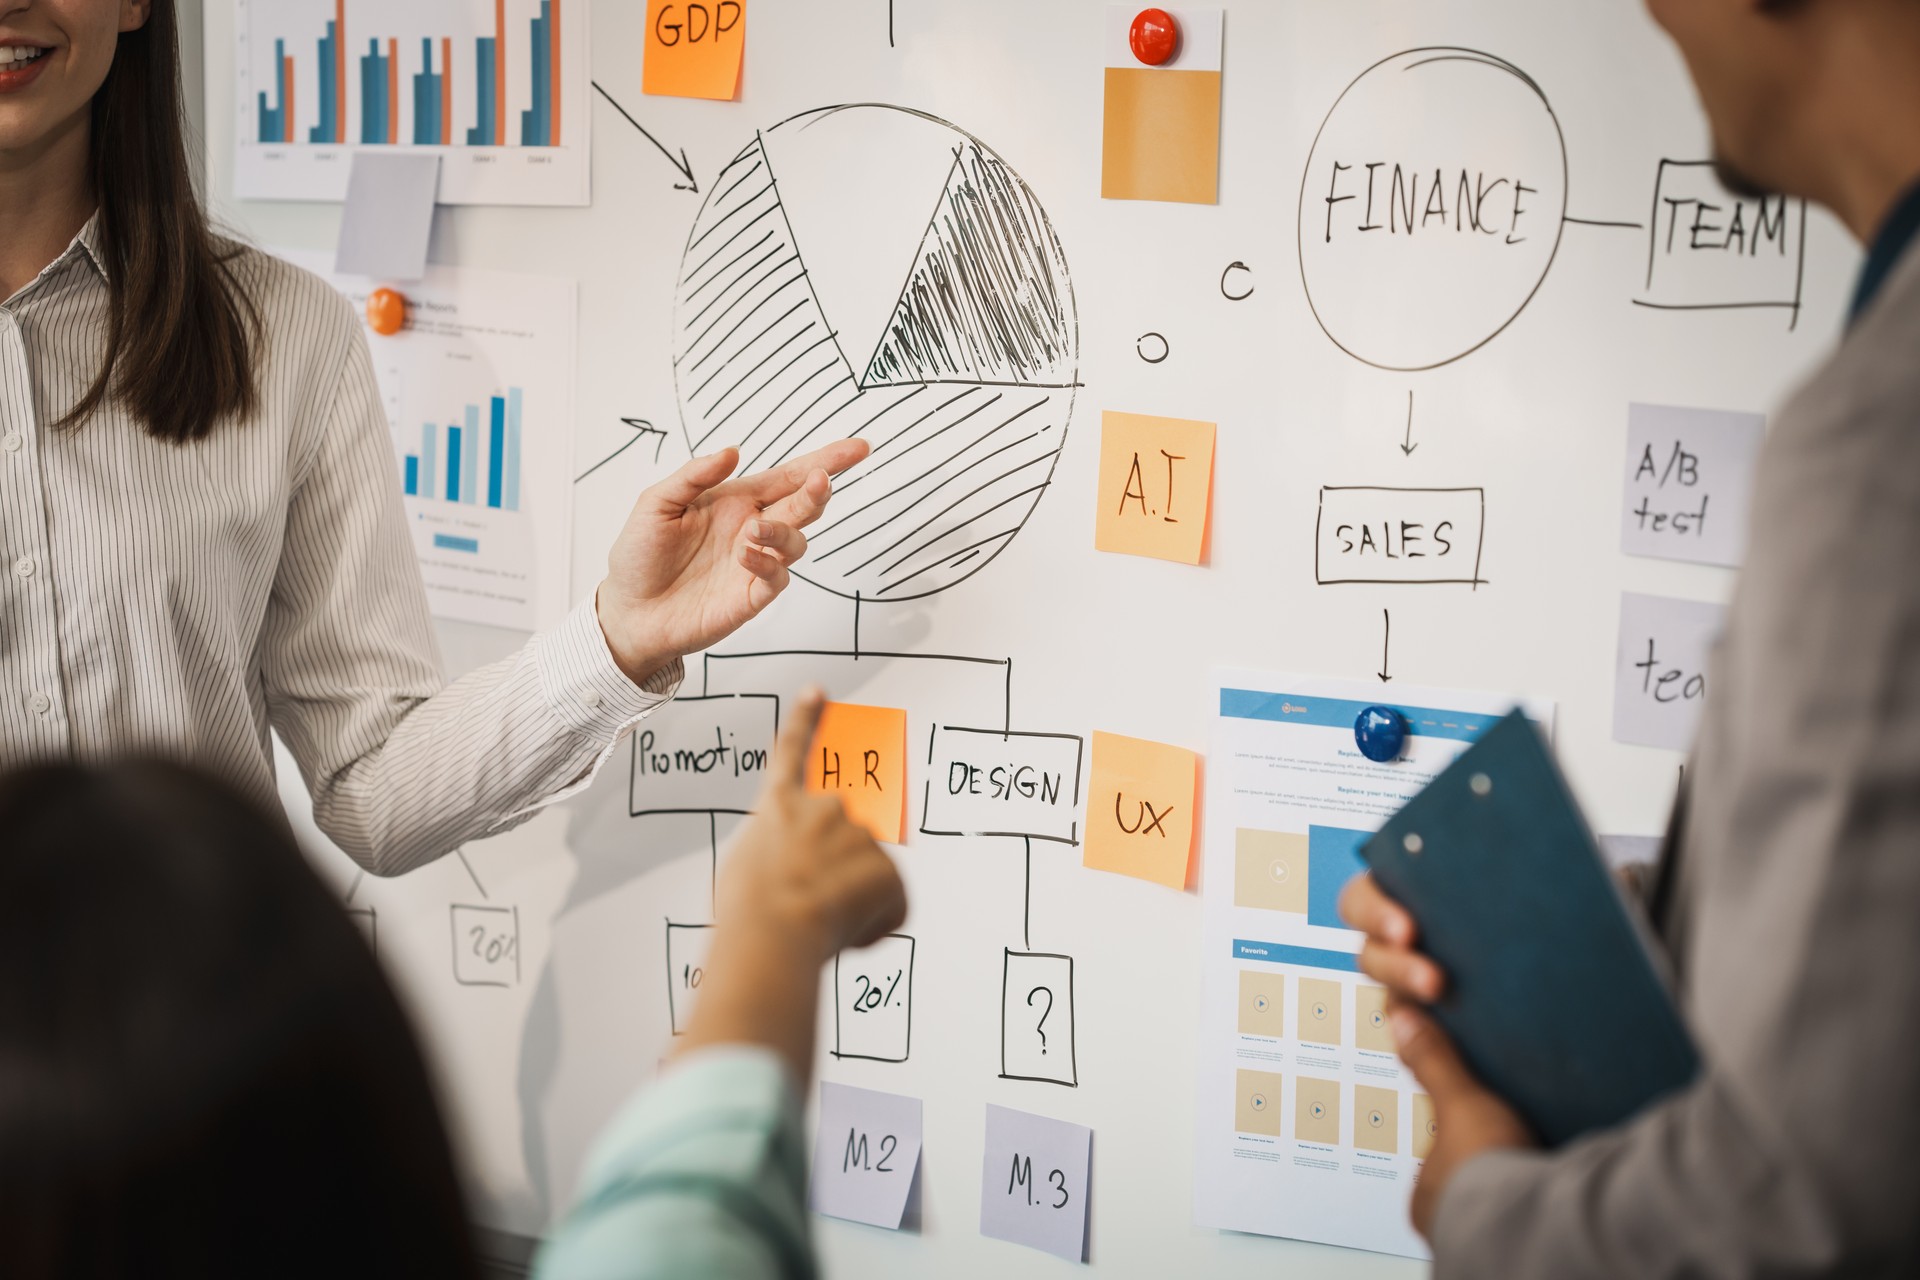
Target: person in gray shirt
{"type": "Point", "coordinates": [1788, 896]}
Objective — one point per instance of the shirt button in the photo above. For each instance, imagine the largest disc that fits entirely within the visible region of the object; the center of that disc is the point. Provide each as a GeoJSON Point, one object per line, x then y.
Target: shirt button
{"type": "Point", "coordinates": [11, 442]}
{"type": "Point", "coordinates": [40, 703]}
{"type": "Point", "coordinates": [591, 697]}
{"type": "Point", "coordinates": [23, 567]}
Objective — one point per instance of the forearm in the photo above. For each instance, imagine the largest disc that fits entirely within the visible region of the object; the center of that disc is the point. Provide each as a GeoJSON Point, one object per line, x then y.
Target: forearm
{"type": "Point", "coordinates": [396, 791]}
{"type": "Point", "coordinates": [755, 995]}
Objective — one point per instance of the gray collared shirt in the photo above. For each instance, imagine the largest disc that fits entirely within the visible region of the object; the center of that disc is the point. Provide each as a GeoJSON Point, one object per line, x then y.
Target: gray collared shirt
{"type": "Point", "coordinates": [187, 599]}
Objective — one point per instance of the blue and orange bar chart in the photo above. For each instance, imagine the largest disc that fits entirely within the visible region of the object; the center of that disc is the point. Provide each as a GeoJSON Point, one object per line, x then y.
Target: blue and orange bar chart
{"type": "Point", "coordinates": [460, 482]}
{"type": "Point", "coordinates": [380, 121]}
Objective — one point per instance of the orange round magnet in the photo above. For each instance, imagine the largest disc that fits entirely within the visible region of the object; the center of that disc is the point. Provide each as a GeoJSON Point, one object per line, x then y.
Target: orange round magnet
{"type": "Point", "coordinates": [386, 312]}
{"type": "Point", "coordinates": [1154, 36]}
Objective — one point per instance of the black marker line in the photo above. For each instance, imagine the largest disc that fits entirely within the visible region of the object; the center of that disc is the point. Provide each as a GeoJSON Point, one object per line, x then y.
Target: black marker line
{"type": "Point", "coordinates": [826, 419]}
{"type": "Point", "coordinates": [1026, 916]}
{"type": "Point", "coordinates": [696, 290]}
{"type": "Point", "coordinates": [982, 407]}
{"type": "Point", "coordinates": [945, 481]}
{"type": "Point", "coordinates": [872, 653]}
{"type": "Point", "coordinates": [771, 378]}
{"type": "Point", "coordinates": [944, 560]}
{"type": "Point", "coordinates": [724, 218]}
{"type": "Point", "coordinates": [1027, 384]}
{"type": "Point", "coordinates": [942, 512]}
{"type": "Point", "coordinates": [746, 319]}
{"type": "Point", "coordinates": [1596, 222]}
{"type": "Point", "coordinates": [973, 519]}
{"type": "Point", "coordinates": [913, 267]}
{"type": "Point", "coordinates": [354, 886]}
{"type": "Point", "coordinates": [1717, 306]}
{"type": "Point", "coordinates": [757, 282]}
{"type": "Point", "coordinates": [856, 626]}
{"type": "Point", "coordinates": [721, 198]}
{"type": "Point", "coordinates": [745, 347]}
{"type": "Point", "coordinates": [686, 170]}
{"type": "Point", "coordinates": [728, 243]}
{"type": "Point", "coordinates": [641, 430]}
{"type": "Point", "coordinates": [903, 431]}
{"type": "Point", "coordinates": [462, 852]}
{"type": "Point", "coordinates": [794, 240]}
{"type": "Point", "coordinates": [713, 866]}
{"type": "Point", "coordinates": [795, 390]}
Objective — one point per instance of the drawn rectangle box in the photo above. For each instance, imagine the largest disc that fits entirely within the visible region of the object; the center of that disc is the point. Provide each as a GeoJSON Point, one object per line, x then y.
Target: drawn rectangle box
{"type": "Point", "coordinates": [993, 782]}
{"type": "Point", "coordinates": [1387, 536]}
{"type": "Point", "coordinates": [486, 946]}
{"type": "Point", "coordinates": [873, 1001]}
{"type": "Point", "coordinates": [703, 754]}
{"type": "Point", "coordinates": [1710, 250]}
{"type": "Point", "coordinates": [1036, 1018]}
{"type": "Point", "coordinates": [687, 946]}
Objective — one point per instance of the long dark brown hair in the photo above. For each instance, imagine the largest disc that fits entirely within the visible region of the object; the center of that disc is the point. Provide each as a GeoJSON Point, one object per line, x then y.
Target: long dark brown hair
{"type": "Point", "coordinates": [181, 328]}
{"type": "Point", "coordinates": [203, 1071]}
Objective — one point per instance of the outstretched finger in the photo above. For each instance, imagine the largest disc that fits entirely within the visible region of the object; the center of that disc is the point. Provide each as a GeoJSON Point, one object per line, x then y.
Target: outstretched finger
{"type": "Point", "coordinates": [770, 486]}
{"type": "Point", "coordinates": [683, 488]}
{"type": "Point", "coordinates": [790, 752]}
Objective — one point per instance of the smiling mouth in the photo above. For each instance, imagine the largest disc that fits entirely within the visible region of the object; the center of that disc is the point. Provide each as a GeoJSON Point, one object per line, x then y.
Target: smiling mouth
{"type": "Point", "coordinates": [15, 57]}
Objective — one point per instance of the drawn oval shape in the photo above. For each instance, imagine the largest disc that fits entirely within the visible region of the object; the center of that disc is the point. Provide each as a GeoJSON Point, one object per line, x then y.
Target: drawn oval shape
{"type": "Point", "coordinates": [1431, 207]}
{"type": "Point", "coordinates": [873, 271]}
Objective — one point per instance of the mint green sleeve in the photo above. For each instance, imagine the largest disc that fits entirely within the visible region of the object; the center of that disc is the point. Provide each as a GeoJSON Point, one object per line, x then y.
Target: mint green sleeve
{"type": "Point", "coordinates": [701, 1177]}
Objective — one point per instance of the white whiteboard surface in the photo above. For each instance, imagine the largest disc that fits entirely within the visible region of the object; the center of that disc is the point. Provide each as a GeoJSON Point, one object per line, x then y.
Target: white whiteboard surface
{"type": "Point", "coordinates": [1536, 417]}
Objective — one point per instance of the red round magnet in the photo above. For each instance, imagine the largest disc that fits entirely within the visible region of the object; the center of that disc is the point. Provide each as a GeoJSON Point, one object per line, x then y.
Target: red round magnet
{"type": "Point", "coordinates": [1154, 36]}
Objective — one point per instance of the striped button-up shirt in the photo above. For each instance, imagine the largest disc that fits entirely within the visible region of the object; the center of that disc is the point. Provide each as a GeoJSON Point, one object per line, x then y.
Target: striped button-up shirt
{"type": "Point", "coordinates": [187, 599]}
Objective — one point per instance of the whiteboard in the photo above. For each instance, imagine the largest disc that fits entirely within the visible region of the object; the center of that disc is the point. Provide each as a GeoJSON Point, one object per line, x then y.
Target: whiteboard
{"type": "Point", "coordinates": [1520, 391]}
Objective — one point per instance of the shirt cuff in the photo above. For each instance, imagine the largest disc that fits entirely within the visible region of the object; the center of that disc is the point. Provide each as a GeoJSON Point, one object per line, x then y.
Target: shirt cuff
{"type": "Point", "coordinates": [722, 1089]}
{"type": "Point", "coordinates": [586, 688]}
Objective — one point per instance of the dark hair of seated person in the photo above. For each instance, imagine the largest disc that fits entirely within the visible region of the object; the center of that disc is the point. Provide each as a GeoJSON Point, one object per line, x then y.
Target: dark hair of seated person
{"type": "Point", "coordinates": [203, 1071]}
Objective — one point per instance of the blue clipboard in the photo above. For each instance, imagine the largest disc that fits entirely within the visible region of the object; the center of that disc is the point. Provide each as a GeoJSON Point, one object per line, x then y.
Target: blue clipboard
{"type": "Point", "coordinates": [1554, 996]}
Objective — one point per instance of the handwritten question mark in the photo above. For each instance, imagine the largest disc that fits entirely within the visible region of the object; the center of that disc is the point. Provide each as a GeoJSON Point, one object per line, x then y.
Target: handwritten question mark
{"type": "Point", "coordinates": [1041, 1026]}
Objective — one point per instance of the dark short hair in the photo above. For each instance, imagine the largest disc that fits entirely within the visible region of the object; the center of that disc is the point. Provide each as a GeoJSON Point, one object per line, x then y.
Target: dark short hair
{"type": "Point", "coordinates": [203, 1071]}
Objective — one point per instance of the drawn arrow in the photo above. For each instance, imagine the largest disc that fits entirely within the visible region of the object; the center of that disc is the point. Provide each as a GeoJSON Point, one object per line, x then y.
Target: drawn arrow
{"type": "Point", "coordinates": [1384, 643]}
{"type": "Point", "coordinates": [1407, 446]}
{"type": "Point", "coordinates": [686, 170]}
{"type": "Point", "coordinates": [641, 430]}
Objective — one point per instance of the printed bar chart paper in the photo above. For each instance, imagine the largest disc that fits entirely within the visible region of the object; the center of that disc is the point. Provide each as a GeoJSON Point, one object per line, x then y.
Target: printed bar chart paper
{"type": "Point", "coordinates": [498, 88]}
{"type": "Point", "coordinates": [478, 393]}
{"type": "Point", "coordinates": [1308, 1126]}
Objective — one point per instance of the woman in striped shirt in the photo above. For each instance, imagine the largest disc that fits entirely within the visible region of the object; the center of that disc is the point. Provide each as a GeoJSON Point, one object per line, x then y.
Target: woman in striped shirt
{"type": "Point", "coordinates": [201, 533]}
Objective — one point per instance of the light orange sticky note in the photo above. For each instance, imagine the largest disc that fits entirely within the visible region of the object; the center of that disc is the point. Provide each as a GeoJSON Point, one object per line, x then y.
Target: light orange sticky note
{"type": "Point", "coordinates": [1140, 809]}
{"type": "Point", "coordinates": [1160, 137]}
{"type": "Point", "coordinates": [693, 48]}
{"type": "Point", "coordinates": [1155, 486]}
{"type": "Point", "coordinates": [860, 754]}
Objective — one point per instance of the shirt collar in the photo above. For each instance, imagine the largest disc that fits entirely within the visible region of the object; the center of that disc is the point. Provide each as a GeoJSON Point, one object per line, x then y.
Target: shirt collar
{"type": "Point", "coordinates": [87, 245]}
{"type": "Point", "coordinates": [1896, 233]}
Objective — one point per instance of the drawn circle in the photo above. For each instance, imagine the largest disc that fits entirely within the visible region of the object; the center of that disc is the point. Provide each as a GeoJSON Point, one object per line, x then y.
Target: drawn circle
{"type": "Point", "coordinates": [1318, 1111]}
{"type": "Point", "coordinates": [1375, 1119]}
{"type": "Point", "coordinates": [1440, 270]}
{"type": "Point", "coordinates": [1258, 1102]}
{"type": "Point", "coordinates": [1260, 1004]}
{"type": "Point", "coordinates": [1433, 1128]}
{"type": "Point", "coordinates": [1319, 1011]}
{"type": "Point", "coordinates": [1278, 870]}
{"type": "Point", "coordinates": [874, 271]}
{"type": "Point", "coordinates": [1228, 294]}
{"type": "Point", "coordinates": [1141, 346]}
{"type": "Point", "coordinates": [1377, 1018]}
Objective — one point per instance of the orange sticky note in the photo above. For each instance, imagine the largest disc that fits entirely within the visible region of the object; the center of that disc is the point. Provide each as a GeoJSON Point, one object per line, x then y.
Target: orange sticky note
{"type": "Point", "coordinates": [1155, 487]}
{"type": "Point", "coordinates": [860, 755]}
{"type": "Point", "coordinates": [1140, 809]}
{"type": "Point", "coordinates": [1160, 136]}
{"type": "Point", "coordinates": [694, 47]}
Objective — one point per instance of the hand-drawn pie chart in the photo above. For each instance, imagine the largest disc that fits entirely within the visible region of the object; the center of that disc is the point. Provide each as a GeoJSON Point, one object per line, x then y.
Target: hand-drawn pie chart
{"type": "Point", "coordinates": [877, 272]}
